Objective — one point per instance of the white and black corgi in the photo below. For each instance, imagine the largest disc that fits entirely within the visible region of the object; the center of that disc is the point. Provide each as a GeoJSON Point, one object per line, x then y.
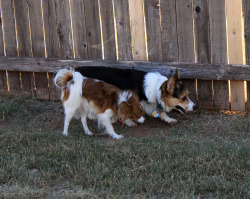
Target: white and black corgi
{"type": "Point", "coordinates": [83, 97]}
{"type": "Point", "coordinates": [158, 94]}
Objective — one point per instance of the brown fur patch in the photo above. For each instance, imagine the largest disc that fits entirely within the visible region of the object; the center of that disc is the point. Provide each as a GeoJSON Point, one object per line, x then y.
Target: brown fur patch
{"type": "Point", "coordinates": [67, 78]}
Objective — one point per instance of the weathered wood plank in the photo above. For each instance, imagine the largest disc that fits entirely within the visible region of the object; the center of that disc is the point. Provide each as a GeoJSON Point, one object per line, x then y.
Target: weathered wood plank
{"type": "Point", "coordinates": [23, 28]}
{"type": "Point", "coordinates": [54, 91]}
{"type": "Point", "coordinates": [50, 28]}
{"type": "Point", "coordinates": [248, 96]}
{"type": "Point", "coordinates": [28, 87]}
{"type": "Point", "coordinates": [3, 83]}
{"type": "Point", "coordinates": [191, 85]}
{"type": "Point", "coordinates": [108, 29]}
{"type": "Point", "coordinates": [93, 29]}
{"type": "Point", "coordinates": [38, 46]}
{"type": "Point", "coordinates": [246, 14]}
{"type": "Point", "coordinates": [137, 29]}
{"type": "Point", "coordinates": [153, 28]}
{"type": "Point", "coordinates": [42, 83]}
{"type": "Point", "coordinates": [169, 35]}
{"type": "Point", "coordinates": [187, 70]}
{"type": "Point", "coordinates": [202, 50]}
{"type": "Point", "coordinates": [123, 29]}
{"type": "Point", "coordinates": [14, 83]}
{"type": "Point", "coordinates": [64, 31]}
{"type": "Point", "coordinates": [79, 28]}
{"type": "Point", "coordinates": [217, 24]}
{"type": "Point", "coordinates": [9, 36]}
{"type": "Point", "coordinates": [1, 36]}
{"type": "Point", "coordinates": [235, 50]}
{"type": "Point", "coordinates": [24, 41]}
{"type": "Point", "coordinates": [185, 30]}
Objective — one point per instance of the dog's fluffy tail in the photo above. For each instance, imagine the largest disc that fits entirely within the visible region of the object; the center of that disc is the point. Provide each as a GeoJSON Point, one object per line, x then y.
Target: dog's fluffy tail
{"type": "Point", "coordinates": [65, 78]}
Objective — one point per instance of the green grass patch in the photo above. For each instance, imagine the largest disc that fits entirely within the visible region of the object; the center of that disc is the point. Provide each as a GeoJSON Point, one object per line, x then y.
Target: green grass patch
{"type": "Point", "coordinates": [205, 155]}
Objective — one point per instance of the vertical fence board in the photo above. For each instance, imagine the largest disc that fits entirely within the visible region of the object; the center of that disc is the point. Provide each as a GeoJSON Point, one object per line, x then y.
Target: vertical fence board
{"type": "Point", "coordinates": [3, 83]}
{"type": "Point", "coordinates": [3, 77]}
{"type": "Point", "coordinates": [202, 50]}
{"type": "Point", "coordinates": [191, 86]}
{"type": "Point", "coordinates": [50, 28]}
{"type": "Point", "coordinates": [168, 25]}
{"type": "Point", "coordinates": [8, 20]}
{"type": "Point", "coordinates": [137, 29]}
{"type": "Point", "coordinates": [64, 31]}
{"type": "Point", "coordinates": [246, 14]}
{"type": "Point", "coordinates": [24, 41]}
{"type": "Point", "coordinates": [123, 29]}
{"type": "Point", "coordinates": [38, 47]}
{"type": "Point", "coordinates": [185, 30]}
{"type": "Point", "coordinates": [217, 21]}
{"type": "Point", "coordinates": [185, 39]}
{"type": "Point", "coordinates": [235, 50]}
{"type": "Point", "coordinates": [51, 41]}
{"type": "Point", "coordinates": [153, 28]}
{"type": "Point", "coordinates": [93, 29]}
{"type": "Point", "coordinates": [108, 30]}
{"type": "Point", "coordinates": [79, 29]}
{"type": "Point", "coordinates": [1, 36]}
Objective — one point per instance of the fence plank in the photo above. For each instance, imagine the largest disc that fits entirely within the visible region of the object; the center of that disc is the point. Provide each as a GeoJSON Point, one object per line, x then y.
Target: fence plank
{"type": "Point", "coordinates": [8, 20]}
{"type": "Point", "coordinates": [1, 36]}
{"type": "Point", "coordinates": [137, 29]}
{"type": "Point", "coordinates": [108, 30]}
{"type": "Point", "coordinates": [168, 25]}
{"type": "Point", "coordinates": [3, 83]}
{"type": "Point", "coordinates": [38, 47]}
{"type": "Point", "coordinates": [93, 29]}
{"type": "Point", "coordinates": [246, 13]}
{"type": "Point", "coordinates": [50, 28]}
{"type": "Point", "coordinates": [185, 30]}
{"type": "Point", "coordinates": [202, 50]}
{"type": "Point", "coordinates": [24, 41]}
{"type": "Point", "coordinates": [64, 31]}
{"type": "Point", "coordinates": [123, 29]}
{"type": "Point", "coordinates": [153, 28]}
{"type": "Point", "coordinates": [217, 22]}
{"type": "Point", "coordinates": [235, 50]}
{"type": "Point", "coordinates": [79, 28]}
{"type": "Point", "coordinates": [191, 86]}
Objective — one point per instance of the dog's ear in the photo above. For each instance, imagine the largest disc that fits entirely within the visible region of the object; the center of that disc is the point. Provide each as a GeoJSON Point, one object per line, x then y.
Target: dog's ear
{"type": "Point", "coordinates": [177, 75]}
{"type": "Point", "coordinates": [123, 110]}
{"type": "Point", "coordinates": [170, 86]}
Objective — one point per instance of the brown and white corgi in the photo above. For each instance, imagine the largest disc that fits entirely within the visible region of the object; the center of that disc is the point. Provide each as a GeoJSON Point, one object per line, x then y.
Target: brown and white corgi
{"type": "Point", "coordinates": [83, 97]}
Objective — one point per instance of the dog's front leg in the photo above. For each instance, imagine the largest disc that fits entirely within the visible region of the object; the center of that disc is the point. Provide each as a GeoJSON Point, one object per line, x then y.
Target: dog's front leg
{"type": "Point", "coordinates": [166, 118]}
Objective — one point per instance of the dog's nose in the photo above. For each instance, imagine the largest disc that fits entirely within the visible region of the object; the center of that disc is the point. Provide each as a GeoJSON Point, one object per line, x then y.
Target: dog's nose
{"type": "Point", "coordinates": [195, 107]}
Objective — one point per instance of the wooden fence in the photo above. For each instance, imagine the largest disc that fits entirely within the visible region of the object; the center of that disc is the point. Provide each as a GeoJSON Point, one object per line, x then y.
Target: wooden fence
{"type": "Point", "coordinates": [193, 31]}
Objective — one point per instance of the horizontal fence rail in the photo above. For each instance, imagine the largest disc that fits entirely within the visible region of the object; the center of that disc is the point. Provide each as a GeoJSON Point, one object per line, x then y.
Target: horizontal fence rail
{"type": "Point", "coordinates": [208, 41]}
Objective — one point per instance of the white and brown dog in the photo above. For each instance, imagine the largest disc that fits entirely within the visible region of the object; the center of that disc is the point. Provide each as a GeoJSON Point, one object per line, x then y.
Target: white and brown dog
{"type": "Point", "coordinates": [158, 94]}
{"type": "Point", "coordinates": [83, 97]}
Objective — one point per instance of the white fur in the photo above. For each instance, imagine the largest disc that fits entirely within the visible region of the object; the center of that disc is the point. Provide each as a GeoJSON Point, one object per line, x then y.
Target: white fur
{"type": "Point", "coordinates": [123, 97]}
{"type": "Point", "coordinates": [141, 119]}
{"type": "Point", "coordinates": [190, 105]}
{"type": "Point", "coordinates": [152, 84]}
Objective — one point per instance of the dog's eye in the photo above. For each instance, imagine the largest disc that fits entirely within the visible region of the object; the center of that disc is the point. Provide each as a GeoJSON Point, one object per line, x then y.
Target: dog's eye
{"type": "Point", "coordinates": [184, 98]}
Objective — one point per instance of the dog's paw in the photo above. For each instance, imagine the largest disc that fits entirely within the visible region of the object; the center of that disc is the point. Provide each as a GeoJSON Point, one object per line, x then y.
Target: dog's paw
{"type": "Point", "coordinates": [117, 136]}
{"type": "Point", "coordinates": [172, 121]}
{"type": "Point", "coordinates": [130, 123]}
{"type": "Point", "coordinates": [65, 133]}
{"type": "Point", "coordinates": [88, 133]}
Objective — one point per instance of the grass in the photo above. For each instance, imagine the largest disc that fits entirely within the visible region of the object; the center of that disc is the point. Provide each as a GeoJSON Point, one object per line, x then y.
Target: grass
{"type": "Point", "coordinates": [205, 155]}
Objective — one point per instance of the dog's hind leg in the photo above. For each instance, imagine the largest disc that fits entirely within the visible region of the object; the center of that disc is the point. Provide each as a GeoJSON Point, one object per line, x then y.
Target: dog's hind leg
{"type": "Point", "coordinates": [105, 120]}
{"type": "Point", "coordinates": [84, 124]}
{"type": "Point", "coordinates": [67, 120]}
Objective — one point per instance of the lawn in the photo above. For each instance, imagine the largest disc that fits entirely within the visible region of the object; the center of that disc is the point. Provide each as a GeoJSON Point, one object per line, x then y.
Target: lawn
{"type": "Point", "coordinates": [205, 155]}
